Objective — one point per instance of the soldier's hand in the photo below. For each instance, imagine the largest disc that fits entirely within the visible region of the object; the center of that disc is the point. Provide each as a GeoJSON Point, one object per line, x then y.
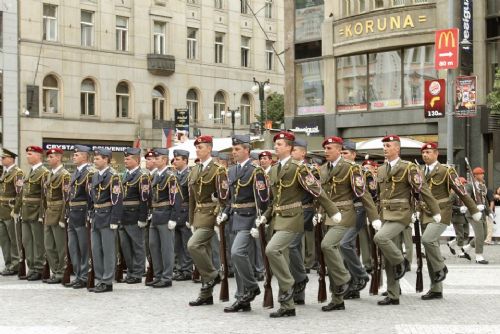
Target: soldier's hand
{"type": "Point", "coordinates": [415, 216]}
{"type": "Point", "coordinates": [188, 225]}
{"type": "Point", "coordinates": [317, 219]}
{"type": "Point", "coordinates": [142, 224]}
{"type": "Point", "coordinates": [62, 225]}
{"type": "Point", "coordinates": [337, 217]}
{"type": "Point", "coordinates": [150, 216]}
{"type": "Point", "coordinates": [463, 209]}
{"type": "Point", "coordinates": [221, 218]}
{"type": "Point", "coordinates": [171, 224]}
{"type": "Point", "coordinates": [113, 226]}
{"type": "Point", "coordinates": [477, 216]}
{"type": "Point", "coordinates": [437, 218]}
{"type": "Point", "coordinates": [254, 233]}
{"type": "Point", "coordinates": [481, 207]}
{"type": "Point", "coordinates": [40, 220]}
{"type": "Point", "coordinates": [377, 224]}
{"type": "Point", "coordinates": [14, 215]}
{"type": "Point", "coordinates": [260, 220]}
{"type": "Point", "coordinates": [214, 198]}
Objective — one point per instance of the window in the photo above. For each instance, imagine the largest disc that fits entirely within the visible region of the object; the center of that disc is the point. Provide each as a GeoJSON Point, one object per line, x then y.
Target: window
{"type": "Point", "coordinates": [423, 1]}
{"type": "Point", "coordinates": [269, 55]}
{"type": "Point", "coordinates": [1, 30]}
{"type": "Point", "coordinates": [218, 4]}
{"type": "Point", "coordinates": [384, 85]}
{"type": "Point", "coordinates": [219, 108]}
{"type": "Point", "coordinates": [396, 3]}
{"type": "Point", "coordinates": [219, 48]}
{"type": "Point", "coordinates": [87, 28]}
{"type": "Point", "coordinates": [1, 93]}
{"type": "Point", "coordinates": [121, 33]}
{"type": "Point", "coordinates": [192, 43]}
{"type": "Point", "coordinates": [378, 4]}
{"type": "Point", "coordinates": [192, 105]}
{"type": "Point", "coordinates": [50, 95]}
{"type": "Point", "coordinates": [122, 100]}
{"type": "Point", "coordinates": [49, 22]}
{"type": "Point", "coordinates": [245, 51]}
{"type": "Point", "coordinates": [87, 98]}
{"type": "Point", "coordinates": [362, 6]}
{"type": "Point", "coordinates": [244, 6]}
{"type": "Point", "coordinates": [309, 88]}
{"type": "Point", "coordinates": [159, 105]}
{"type": "Point", "coordinates": [268, 9]}
{"type": "Point", "coordinates": [348, 8]}
{"type": "Point", "coordinates": [159, 38]}
{"type": "Point", "coordinates": [416, 70]}
{"type": "Point", "coordinates": [245, 109]}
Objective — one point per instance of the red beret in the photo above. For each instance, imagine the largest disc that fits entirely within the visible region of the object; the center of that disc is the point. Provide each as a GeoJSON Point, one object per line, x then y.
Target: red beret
{"type": "Point", "coordinates": [370, 162]}
{"type": "Point", "coordinates": [203, 140]}
{"type": "Point", "coordinates": [33, 148]}
{"type": "Point", "coordinates": [390, 138]}
{"type": "Point", "coordinates": [150, 154]}
{"type": "Point", "coordinates": [55, 150]}
{"type": "Point", "coordinates": [429, 146]}
{"type": "Point", "coordinates": [284, 135]}
{"type": "Point", "coordinates": [265, 154]}
{"type": "Point", "coordinates": [332, 140]}
{"type": "Point", "coordinates": [478, 170]}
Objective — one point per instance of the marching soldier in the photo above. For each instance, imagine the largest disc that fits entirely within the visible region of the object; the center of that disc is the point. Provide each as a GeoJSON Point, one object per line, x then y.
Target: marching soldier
{"type": "Point", "coordinates": [396, 180]}
{"type": "Point", "coordinates": [11, 185]}
{"type": "Point", "coordinates": [343, 181]}
{"type": "Point", "coordinates": [182, 231]}
{"type": "Point", "coordinates": [80, 206]}
{"type": "Point", "coordinates": [460, 224]}
{"type": "Point", "coordinates": [32, 213]}
{"type": "Point", "coordinates": [136, 190]}
{"type": "Point", "coordinates": [161, 235]}
{"type": "Point", "coordinates": [289, 180]}
{"type": "Point", "coordinates": [56, 189]}
{"type": "Point", "coordinates": [107, 212]}
{"type": "Point", "coordinates": [441, 180]}
{"type": "Point", "coordinates": [206, 186]}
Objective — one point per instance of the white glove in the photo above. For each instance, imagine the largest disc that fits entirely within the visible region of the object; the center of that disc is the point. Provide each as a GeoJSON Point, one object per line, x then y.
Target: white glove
{"type": "Point", "coordinates": [463, 209]}
{"type": "Point", "coordinates": [376, 224]}
{"type": "Point", "coordinates": [188, 225]}
{"type": "Point", "coordinates": [477, 216]}
{"type": "Point", "coordinates": [480, 207]}
{"type": "Point", "coordinates": [260, 221]}
{"type": "Point", "coordinates": [217, 231]}
{"type": "Point", "coordinates": [414, 217]}
{"type": "Point", "coordinates": [62, 225]}
{"type": "Point", "coordinates": [171, 224]}
{"type": "Point", "coordinates": [113, 226]}
{"type": "Point", "coordinates": [254, 233]}
{"type": "Point", "coordinates": [40, 220]}
{"type": "Point", "coordinates": [317, 219]}
{"type": "Point", "coordinates": [337, 217]}
{"type": "Point", "coordinates": [437, 218]}
{"type": "Point", "coordinates": [221, 218]}
{"type": "Point", "coordinates": [492, 216]}
{"type": "Point", "coordinates": [142, 224]}
{"type": "Point", "coordinates": [150, 216]}
{"type": "Point", "coordinates": [214, 199]}
{"type": "Point", "coordinates": [14, 215]}
{"type": "Point", "coordinates": [191, 228]}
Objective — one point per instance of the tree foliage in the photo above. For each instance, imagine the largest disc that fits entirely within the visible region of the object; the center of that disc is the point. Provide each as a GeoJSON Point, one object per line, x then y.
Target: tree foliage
{"type": "Point", "coordinates": [493, 99]}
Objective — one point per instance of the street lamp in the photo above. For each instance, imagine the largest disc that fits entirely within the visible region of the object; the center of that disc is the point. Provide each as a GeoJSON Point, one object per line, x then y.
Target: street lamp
{"type": "Point", "coordinates": [261, 88]}
{"type": "Point", "coordinates": [235, 113]}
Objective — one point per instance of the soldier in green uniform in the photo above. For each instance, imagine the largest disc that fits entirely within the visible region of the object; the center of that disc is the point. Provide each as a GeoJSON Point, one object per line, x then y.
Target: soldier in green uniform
{"type": "Point", "coordinates": [397, 180]}
{"type": "Point", "coordinates": [289, 180]}
{"type": "Point", "coordinates": [11, 184]}
{"type": "Point", "coordinates": [460, 224]}
{"type": "Point", "coordinates": [32, 213]}
{"type": "Point", "coordinates": [56, 190]}
{"type": "Point", "coordinates": [441, 180]}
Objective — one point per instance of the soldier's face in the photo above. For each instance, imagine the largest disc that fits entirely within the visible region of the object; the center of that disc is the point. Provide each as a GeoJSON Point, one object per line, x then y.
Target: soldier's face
{"type": "Point", "coordinates": [282, 148]}
{"type": "Point", "coordinates": [54, 160]}
{"type": "Point", "coordinates": [348, 155]}
{"type": "Point", "coordinates": [180, 163]}
{"type": "Point", "coordinates": [265, 162]}
{"type": "Point", "coordinates": [391, 150]}
{"type": "Point", "coordinates": [150, 163]}
{"type": "Point", "coordinates": [239, 153]}
{"type": "Point", "coordinates": [161, 161]}
{"type": "Point", "coordinates": [298, 153]}
{"type": "Point", "coordinates": [7, 161]}
{"type": "Point", "coordinates": [479, 177]}
{"type": "Point", "coordinates": [429, 156]}
{"type": "Point", "coordinates": [203, 151]}
{"type": "Point", "coordinates": [79, 158]}
{"type": "Point", "coordinates": [33, 157]}
{"type": "Point", "coordinates": [130, 162]}
{"type": "Point", "coordinates": [332, 152]}
{"type": "Point", "coordinates": [100, 162]}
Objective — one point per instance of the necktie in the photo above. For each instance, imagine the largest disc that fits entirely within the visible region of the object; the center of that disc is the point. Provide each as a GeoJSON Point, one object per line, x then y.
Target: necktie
{"type": "Point", "coordinates": [427, 169]}
{"type": "Point", "coordinates": [279, 167]}
{"type": "Point", "coordinates": [330, 167]}
{"type": "Point", "coordinates": [238, 168]}
{"type": "Point", "coordinates": [388, 168]}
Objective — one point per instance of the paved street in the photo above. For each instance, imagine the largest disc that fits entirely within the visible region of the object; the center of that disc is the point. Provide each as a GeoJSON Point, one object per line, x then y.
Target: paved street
{"type": "Point", "coordinates": [471, 305]}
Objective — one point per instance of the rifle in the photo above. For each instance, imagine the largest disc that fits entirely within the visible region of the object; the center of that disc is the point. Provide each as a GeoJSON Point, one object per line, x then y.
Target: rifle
{"type": "Point", "coordinates": [419, 285]}
{"type": "Point", "coordinates": [268, 290]}
{"type": "Point", "coordinates": [46, 270]}
{"type": "Point", "coordinates": [120, 261]}
{"type": "Point", "coordinates": [91, 273]}
{"type": "Point", "coordinates": [377, 268]}
{"type": "Point", "coordinates": [477, 193]}
{"type": "Point", "coordinates": [224, 288]}
{"type": "Point", "coordinates": [149, 269]}
{"type": "Point", "coordinates": [68, 270]}
{"type": "Point", "coordinates": [195, 276]}
{"type": "Point", "coordinates": [22, 254]}
{"type": "Point", "coordinates": [318, 236]}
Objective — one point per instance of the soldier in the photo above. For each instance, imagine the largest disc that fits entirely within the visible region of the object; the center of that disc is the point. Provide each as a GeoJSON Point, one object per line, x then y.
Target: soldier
{"type": "Point", "coordinates": [289, 180]}
{"type": "Point", "coordinates": [136, 190]}
{"type": "Point", "coordinates": [478, 190]}
{"type": "Point", "coordinates": [248, 194]}
{"type": "Point", "coordinates": [396, 180]}
{"type": "Point", "coordinates": [343, 181]}
{"type": "Point", "coordinates": [11, 185]}
{"type": "Point", "coordinates": [56, 189]}
{"type": "Point", "coordinates": [161, 235]}
{"type": "Point", "coordinates": [32, 213]}
{"type": "Point", "coordinates": [460, 223]}
{"type": "Point", "coordinates": [107, 199]}
{"type": "Point", "coordinates": [266, 161]}
{"type": "Point", "coordinates": [441, 180]}
{"type": "Point", "coordinates": [182, 231]}
{"type": "Point", "coordinates": [152, 170]}
{"type": "Point", "coordinates": [80, 205]}
{"type": "Point", "coordinates": [207, 185]}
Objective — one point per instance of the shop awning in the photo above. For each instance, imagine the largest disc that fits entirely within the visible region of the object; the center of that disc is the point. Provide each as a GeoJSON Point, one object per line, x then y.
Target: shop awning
{"type": "Point", "coordinates": [376, 144]}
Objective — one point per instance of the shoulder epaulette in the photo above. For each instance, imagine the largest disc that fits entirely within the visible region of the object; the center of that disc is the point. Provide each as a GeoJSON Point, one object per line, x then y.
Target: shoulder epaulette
{"type": "Point", "coordinates": [296, 162]}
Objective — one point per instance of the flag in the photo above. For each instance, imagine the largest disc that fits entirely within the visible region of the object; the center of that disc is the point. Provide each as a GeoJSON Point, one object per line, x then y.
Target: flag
{"type": "Point", "coordinates": [166, 137]}
{"type": "Point", "coordinates": [137, 142]}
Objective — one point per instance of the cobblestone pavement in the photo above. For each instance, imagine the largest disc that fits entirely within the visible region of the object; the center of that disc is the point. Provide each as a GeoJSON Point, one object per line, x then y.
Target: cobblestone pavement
{"type": "Point", "coordinates": [471, 305]}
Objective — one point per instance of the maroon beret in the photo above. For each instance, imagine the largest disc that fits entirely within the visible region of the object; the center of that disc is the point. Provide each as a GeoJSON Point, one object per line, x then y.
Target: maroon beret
{"type": "Point", "coordinates": [203, 140]}
{"type": "Point", "coordinates": [429, 146]}
{"type": "Point", "coordinates": [284, 135]}
{"type": "Point", "coordinates": [390, 138]}
{"type": "Point", "coordinates": [55, 150]}
{"type": "Point", "coordinates": [265, 154]}
{"type": "Point", "coordinates": [332, 140]}
{"type": "Point", "coordinates": [33, 148]}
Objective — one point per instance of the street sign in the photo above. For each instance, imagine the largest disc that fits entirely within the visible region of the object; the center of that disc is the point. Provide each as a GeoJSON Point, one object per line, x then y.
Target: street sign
{"type": "Point", "coordinates": [446, 49]}
{"type": "Point", "coordinates": [465, 96]}
{"type": "Point", "coordinates": [434, 98]}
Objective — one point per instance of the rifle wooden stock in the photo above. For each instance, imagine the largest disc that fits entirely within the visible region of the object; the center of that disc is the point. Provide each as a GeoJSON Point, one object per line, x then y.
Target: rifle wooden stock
{"type": "Point", "coordinates": [46, 270]}
{"type": "Point", "coordinates": [224, 288]}
{"type": "Point", "coordinates": [268, 290]}
{"type": "Point", "coordinates": [375, 282]}
{"type": "Point", "coordinates": [419, 286]}
{"type": "Point", "coordinates": [91, 273]}
{"type": "Point", "coordinates": [195, 276]}
{"type": "Point", "coordinates": [120, 261]}
{"type": "Point", "coordinates": [149, 269]}
{"type": "Point", "coordinates": [318, 234]}
{"type": "Point", "coordinates": [68, 267]}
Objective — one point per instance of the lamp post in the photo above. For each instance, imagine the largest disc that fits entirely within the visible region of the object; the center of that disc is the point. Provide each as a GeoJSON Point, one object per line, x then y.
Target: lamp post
{"type": "Point", "coordinates": [261, 88]}
{"type": "Point", "coordinates": [235, 113]}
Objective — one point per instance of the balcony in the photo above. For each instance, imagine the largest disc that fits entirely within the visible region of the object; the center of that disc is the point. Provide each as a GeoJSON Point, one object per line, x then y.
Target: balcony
{"type": "Point", "coordinates": [163, 65]}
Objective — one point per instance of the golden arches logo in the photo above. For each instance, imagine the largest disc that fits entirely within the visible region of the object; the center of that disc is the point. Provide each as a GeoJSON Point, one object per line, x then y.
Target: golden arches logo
{"type": "Point", "coordinates": [446, 35]}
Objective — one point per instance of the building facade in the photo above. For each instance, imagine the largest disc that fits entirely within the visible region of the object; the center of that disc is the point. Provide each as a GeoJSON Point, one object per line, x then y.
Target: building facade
{"type": "Point", "coordinates": [106, 73]}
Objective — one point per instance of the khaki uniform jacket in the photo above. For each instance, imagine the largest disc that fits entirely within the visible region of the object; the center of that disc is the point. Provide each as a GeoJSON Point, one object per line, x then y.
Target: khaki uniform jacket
{"type": "Point", "coordinates": [479, 197]}
{"type": "Point", "coordinates": [343, 183]}
{"type": "Point", "coordinates": [11, 186]}
{"type": "Point", "coordinates": [395, 191]}
{"type": "Point", "coordinates": [56, 190]}
{"type": "Point", "coordinates": [441, 181]}
{"type": "Point", "coordinates": [202, 185]}
{"type": "Point", "coordinates": [285, 212]}
{"type": "Point", "coordinates": [32, 207]}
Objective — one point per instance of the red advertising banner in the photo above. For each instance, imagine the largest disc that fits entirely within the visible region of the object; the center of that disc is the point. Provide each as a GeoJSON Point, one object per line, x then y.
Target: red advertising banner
{"type": "Point", "coordinates": [465, 96]}
{"type": "Point", "coordinates": [434, 98]}
{"type": "Point", "coordinates": [446, 46]}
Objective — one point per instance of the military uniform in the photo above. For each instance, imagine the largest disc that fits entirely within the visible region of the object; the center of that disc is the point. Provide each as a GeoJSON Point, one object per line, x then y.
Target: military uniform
{"type": "Point", "coordinates": [152, 174]}
{"type": "Point", "coordinates": [479, 226]}
{"type": "Point", "coordinates": [56, 190]}
{"type": "Point", "coordinates": [32, 213]}
{"type": "Point", "coordinates": [11, 185]}
{"type": "Point", "coordinates": [459, 221]}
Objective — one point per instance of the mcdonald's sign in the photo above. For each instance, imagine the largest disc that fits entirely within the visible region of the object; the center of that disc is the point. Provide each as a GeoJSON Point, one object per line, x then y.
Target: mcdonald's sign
{"type": "Point", "coordinates": [446, 49]}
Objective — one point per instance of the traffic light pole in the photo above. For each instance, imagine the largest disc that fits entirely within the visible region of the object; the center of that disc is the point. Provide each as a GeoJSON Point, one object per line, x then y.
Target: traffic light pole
{"type": "Point", "coordinates": [450, 78]}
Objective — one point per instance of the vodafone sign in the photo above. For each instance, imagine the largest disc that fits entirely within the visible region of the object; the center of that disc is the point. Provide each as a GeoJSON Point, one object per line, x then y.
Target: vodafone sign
{"type": "Point", "coordinates": [446, 46]}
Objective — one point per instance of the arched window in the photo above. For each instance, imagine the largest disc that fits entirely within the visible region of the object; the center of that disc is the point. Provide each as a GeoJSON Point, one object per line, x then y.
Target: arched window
{"type": "Point", "coordinates": [245, 109]}
{"type": "Point", "coordinates": [122, 100]}
{"type": "Point", "coordinates": [50, 95]}
{"type": "Point", "coordinates": [192, 104]}
{"type": "Point", "coordinates": [219, 108]}
{"type": "Point", "coordinates": [87, 98]}
{"type": "Point", "coordinates": [159, 103]}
